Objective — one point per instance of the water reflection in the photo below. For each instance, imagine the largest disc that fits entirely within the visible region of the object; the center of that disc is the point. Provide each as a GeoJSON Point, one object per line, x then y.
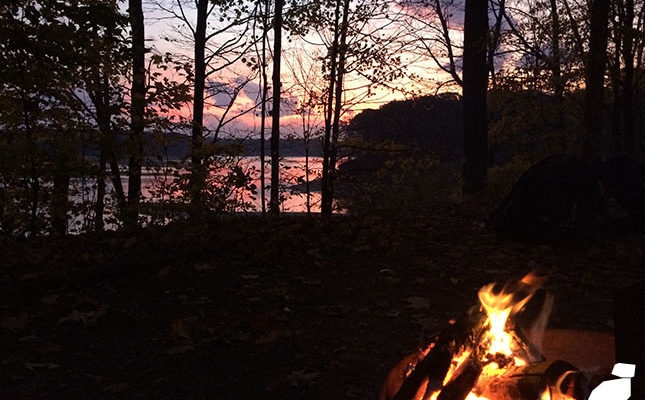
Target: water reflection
{"type": "Point", "coordinates": [157, 183]}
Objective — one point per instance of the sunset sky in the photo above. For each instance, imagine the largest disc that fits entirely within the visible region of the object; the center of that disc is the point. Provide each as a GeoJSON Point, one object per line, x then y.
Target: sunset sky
{"type": "Point", "coordinates": [427, 77]}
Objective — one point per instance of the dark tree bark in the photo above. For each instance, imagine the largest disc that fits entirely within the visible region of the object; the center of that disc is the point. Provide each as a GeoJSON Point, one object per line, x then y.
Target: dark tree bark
{"type": "Point", "coordinates": [594, 79]}
{"type": "Point", "coordinates": [628, 78]}
{"type": "Point", "coordinates": [556, 74]}
{"type": "Point", "coordinates": [99, 206]}
{"type": "Point", "coordinates": [274, 203]}
{"type": "Point", "coordinates": [475, 82]}
{"type": "Point", "coordinates": [614, 69]}
{"type": "Point", "coordinates": [265, 91]}
{"type": "Point", "coordinates": [495, 36]}
{"type": "Point", "coordinates": [137, 109]}
{"type": "Point", "coordinates": [30, 160]}
{"type": "Point", "coordinates": [60, 191]}
{"type": "Point", "coordinates": [325, 205]}
{"type": "Point", "coordinates": [338, 106]}
{"type": "Point", "coordinates": [198, 173]}
{"type": "Point", "coordinates": [101, 100]}
{"type": "Point", "coordinates": [575, 31]}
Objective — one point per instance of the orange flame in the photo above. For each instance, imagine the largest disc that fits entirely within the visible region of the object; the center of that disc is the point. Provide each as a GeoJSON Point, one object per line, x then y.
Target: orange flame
{"type": "Point", "coordinates": [496, 340]}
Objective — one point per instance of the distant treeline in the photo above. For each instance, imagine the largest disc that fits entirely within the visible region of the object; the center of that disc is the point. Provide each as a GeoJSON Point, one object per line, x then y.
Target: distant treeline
{"type": "Point", "coordinates": [177, 148]}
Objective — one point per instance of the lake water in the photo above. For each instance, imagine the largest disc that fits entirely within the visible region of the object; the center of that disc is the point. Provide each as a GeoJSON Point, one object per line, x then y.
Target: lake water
{"type": "Point", "coordinates": [292, 173]}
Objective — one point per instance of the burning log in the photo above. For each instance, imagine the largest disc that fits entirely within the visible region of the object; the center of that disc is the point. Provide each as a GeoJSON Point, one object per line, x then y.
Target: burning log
{"type": "Point", "coordinates": [429, 372]}
{"type": "Point", "coordinates": [545, 380]}
{"type": "Point", "coordinates": [483, 356]}
{"type": "Point", "coordinates": [459, 387]}
{"type": "Point", "coordinates": [432, 369]}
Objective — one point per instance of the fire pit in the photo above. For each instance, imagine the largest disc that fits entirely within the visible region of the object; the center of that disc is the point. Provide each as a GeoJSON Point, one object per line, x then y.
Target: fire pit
{"type": "Point", "coordinates": [486, 356]}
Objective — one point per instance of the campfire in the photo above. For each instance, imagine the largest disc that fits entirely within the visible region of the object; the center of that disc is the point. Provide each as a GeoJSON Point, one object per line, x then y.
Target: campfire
{"type": "Point", "coordinates": [486, 356]}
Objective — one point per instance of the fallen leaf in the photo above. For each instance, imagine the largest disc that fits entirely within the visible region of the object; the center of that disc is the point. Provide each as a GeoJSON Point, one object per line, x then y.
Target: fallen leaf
{"type": "Point", "coordinates": [178, 329]}
{"type": "Point", "coordinates": [87, 318]}
{"type": "Point", "coordinates": [269, 337]}
{"type": "Point", "coordinates": [117, 387]}
{"type": "Point", "coordinates": [15, 323]}
{"type": "Point", "coordinates": [49, 299]}
{"type": "Point", "coordinates": [164, 272]}
{"type": "Point", "coordinates": [392, 313]}
{"type": "Point", "coordinates": [425, 321]}
{"type": "Point", "coordinates": [241, 336]}
{"type": "Point", "coordinates": [50, 348]}
{"type": "Point", "coordinates": [181, 349]}
{"type": "Point", "coordinates": [354, 391]}
{"type": "Point", "coordinates": [337, 366]}
{"type": "Point", "coordinates": [418, 303]}
{"type": "Point", "coordinates": [273, 386]}
{"type": "Point", "coordinates": [204, 267]}
{"type": "Point", "coordinates": [32, 366]}
{"type": "Point", "coordinates": [303, 379]}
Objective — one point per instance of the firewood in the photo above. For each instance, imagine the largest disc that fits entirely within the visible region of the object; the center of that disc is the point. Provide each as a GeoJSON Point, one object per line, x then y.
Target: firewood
{"type": "Point", "coordinates": [434, 367]}
{"type": "Point", "coordinates": [528, 382]}
{"type": "Point", "coordinates": [398, 374]}
{"type": "Point", "coordinates": [463, 383]}
{"type": "Point", "coordinates": [527, 350]}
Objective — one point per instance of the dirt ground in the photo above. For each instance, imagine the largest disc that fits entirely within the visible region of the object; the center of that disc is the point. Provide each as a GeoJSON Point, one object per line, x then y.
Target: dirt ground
{"type": "Point", "coordinates": [245, 308]}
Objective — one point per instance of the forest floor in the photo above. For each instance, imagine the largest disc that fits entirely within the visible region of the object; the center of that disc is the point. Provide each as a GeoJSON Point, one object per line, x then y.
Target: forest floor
{"type": "Point", "coordinates": [245, 308]}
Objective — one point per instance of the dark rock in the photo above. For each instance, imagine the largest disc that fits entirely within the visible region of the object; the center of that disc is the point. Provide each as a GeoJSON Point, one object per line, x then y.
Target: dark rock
{"type": "Point", "coordinates": [565, 195]}
{"type": "Point", "coordinates": [550, 200]}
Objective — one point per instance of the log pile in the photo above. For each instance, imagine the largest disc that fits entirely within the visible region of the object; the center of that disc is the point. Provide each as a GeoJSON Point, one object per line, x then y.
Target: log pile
{"type": "Point", "coordinates": [537, 380]}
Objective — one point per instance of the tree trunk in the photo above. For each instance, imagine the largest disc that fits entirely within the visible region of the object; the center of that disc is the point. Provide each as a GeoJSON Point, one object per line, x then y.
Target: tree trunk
{"type": "Point", "coordinates": [137, 110]}
{"type": "Point", "coordinates": [494, 40]}
{"type": "Point", "coordinates": [595, 141]}
{"type": "Point", "coordinates": [325, 190]}
{"type": "Point", "coordinates": [338, 106]}
{"type": "Point", "coordinates": [99, 206]}
{"type": "Point", "coordinates": [108, 147]}
{"type": "Point", "coordinates": [306, 136]}
{"type": "Point", "coordinates": [30, 160]}
{"type": "Point", "coordinates": [265, 90]}
{"type": "Point", "coordinates": [59, 201]}
{"type": "Point", "coordinates": [614, 69]}
{"type": "Point", "coordinates": [101, 100]}
{"type": "Point", "coordinates": [628, 78]}
{"type": "Point", "coordinates": [274, 204]}
{"type": "Point", "coordinates": [475, 82]}
{"type": "Point", "coordinates": [307, 184]}
{"type": "Point", "coordinates": [198, 173]}
{"type": "Point", "coordinates": [556, 74]}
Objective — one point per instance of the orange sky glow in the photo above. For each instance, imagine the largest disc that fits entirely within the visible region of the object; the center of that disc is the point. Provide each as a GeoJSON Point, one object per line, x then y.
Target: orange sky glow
{"type": "Point", "coordinates": [428, 79]}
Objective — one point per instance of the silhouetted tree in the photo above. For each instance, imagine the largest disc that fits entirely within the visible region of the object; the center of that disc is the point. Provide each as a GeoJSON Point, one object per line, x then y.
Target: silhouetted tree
{"type": "Point", "coordinates": [137, 110]}
{"type": "Point", "coordinates": [326, 188]}
{"type": "Point", "coordinates": [628, 78]}
{"type": "Point", "coordinates": [217, 44]}
{"type": "Point", "coordinates": [264, 83]}
{"type": "Point", "coordinates": [475, 81]}
{"type": "Point", "coordinates": [595, 73]}
{"type": "Point", "coordinates": [274, 202]}
{"type": "Point", "coordinates": [198, 173]}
